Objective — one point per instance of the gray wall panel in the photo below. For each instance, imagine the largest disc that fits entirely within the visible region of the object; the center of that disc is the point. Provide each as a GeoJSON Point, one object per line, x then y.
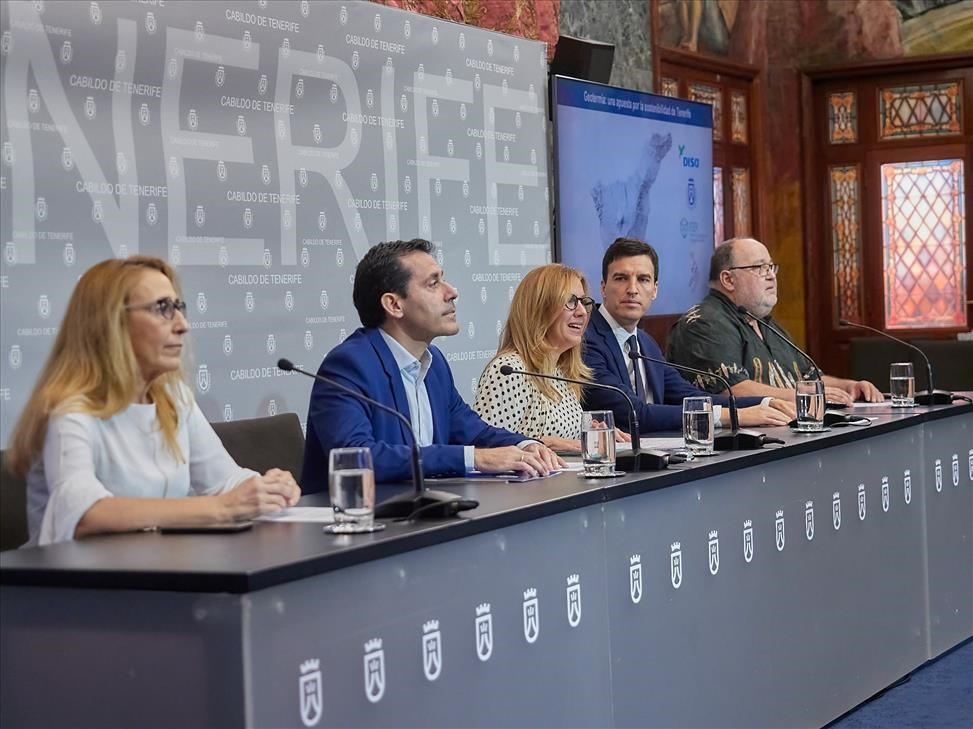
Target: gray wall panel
{"type": "Point", "coordinates": [262, 147]}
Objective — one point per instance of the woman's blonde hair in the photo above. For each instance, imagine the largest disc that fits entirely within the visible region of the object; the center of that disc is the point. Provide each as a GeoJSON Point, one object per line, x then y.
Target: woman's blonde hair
{"type": "Point", "coordinates": [536, 306]}
{"type": "Point", "coordinates": [92, 367]}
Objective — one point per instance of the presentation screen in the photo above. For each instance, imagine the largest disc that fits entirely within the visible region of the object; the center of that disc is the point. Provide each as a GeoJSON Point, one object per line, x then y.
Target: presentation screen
{"type": "Point", "coordinates": [638, 165]}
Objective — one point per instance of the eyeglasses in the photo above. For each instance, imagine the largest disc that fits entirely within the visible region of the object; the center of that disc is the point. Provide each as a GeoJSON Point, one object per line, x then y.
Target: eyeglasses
{"type": "Point", "coordinates": [164, 307]}
{"type": "Point", "coordinates": [572, 303]}
{"type": "Point", "coordinates": [762, 269]}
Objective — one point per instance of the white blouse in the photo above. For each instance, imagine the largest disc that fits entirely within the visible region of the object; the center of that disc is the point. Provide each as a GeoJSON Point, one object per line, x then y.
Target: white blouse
{"type": "Point", "coordinates": [514, 402]}
{"type": "Point", "coordinates": [86, 459]}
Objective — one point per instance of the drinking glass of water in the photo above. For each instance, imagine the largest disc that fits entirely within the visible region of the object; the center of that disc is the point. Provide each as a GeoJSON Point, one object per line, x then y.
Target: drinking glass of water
{"type": "Point", "coordinates": [351, 485]}
{"type": "Point", "coordinates": [697, 425]}
{"type": "Point", "coordinates": [598, 443]}
{"type": "Point", "coordinates": [810, 404]}
{"type": "Point", "coordinates": [902, 384]}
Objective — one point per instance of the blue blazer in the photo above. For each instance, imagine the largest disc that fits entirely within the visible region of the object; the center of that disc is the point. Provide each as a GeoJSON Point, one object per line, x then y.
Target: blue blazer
{"type": "Point", "coordinates": [603, 355]}
{"type": "Point", "coordinates": [335, 419]}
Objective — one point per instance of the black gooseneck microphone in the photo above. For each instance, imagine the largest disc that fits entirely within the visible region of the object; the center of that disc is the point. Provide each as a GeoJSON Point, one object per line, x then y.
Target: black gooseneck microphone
{"type": "Point", "coordinates": [640, 460]}
{"type": "Point", "coordinates": [760, 322]}
{"type": "Point", "coordinates": [736, 439]}
{"type": "Point", "coordinates": [931, 396]}
{"type": "Point", "coordinates": [423, 503]}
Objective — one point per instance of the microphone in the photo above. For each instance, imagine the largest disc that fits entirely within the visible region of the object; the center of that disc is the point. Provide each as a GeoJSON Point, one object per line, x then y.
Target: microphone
{"type": "Point", "coordinates": [931, 396]}
{"type": "Point", "coordinates": [743, 310]}
{"type": "Point", "coordinates": [736, 439]}
{"type": "Point", "coordinates": [423, 502]}
{"type": "Point", "coordinates": [652, 460]}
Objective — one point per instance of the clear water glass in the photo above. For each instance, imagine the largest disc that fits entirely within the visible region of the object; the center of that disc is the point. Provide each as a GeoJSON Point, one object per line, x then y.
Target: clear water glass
{"type": "Point", "coordinates": [697, 424]}
{"type": "Point", "coordinates": [351, 486]}
{"type": "Point", "coordinates": [598, 442]}
{"type": "Point", "coordinates": [902, 384]}
{"type": "Point", "coordinates": [810, 404]}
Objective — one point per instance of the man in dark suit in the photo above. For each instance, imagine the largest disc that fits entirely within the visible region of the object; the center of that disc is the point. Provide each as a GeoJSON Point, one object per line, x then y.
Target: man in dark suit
{"type": "Point", "coordinates": [629, 285]}
{"type": "Point", "coordinates": [404, 302]}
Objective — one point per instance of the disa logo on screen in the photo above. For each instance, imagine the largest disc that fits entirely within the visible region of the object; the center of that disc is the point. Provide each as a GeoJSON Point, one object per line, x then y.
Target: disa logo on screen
{"type": "Point", "coordinates": [687, 161]}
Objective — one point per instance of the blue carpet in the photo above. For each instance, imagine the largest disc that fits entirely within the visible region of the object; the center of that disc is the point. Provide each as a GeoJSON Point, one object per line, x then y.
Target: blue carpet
{"type": "Point", "coordinates": [938, 696]}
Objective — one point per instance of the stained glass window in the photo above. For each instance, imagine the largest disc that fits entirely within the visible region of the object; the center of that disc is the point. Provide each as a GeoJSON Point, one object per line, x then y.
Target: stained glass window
{"type": "Point", "coordinates": [670, 86]}
{"type": "Point", "coordinates": [718, 235]}
{"type": "Point", "coordinates": [709, 95]}
{"type": "Point", "coordinates": [738, 117]}
{"type": "Point", "coordinates": [922, 110]}
{"type": "Point", "coordinates": [846, 240]}
{"type": "Point", "coordinates": [741, 201]}
{"type": "Point", "coordinates": [843, 117]}
{"type": "Point", "coordinates": [923, 226]}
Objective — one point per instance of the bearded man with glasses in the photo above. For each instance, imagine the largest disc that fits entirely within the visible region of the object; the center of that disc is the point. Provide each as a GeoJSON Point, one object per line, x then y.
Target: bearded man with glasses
{"type": "Point", "coordinates": [629, 285]}
{"type": "Point", "coordinates": [717, 336]}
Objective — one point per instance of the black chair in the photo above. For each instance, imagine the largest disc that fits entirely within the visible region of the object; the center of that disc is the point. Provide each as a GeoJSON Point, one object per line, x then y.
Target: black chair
{"type": "Point", "coordinates": [870, 357]}
{"type": "Point", "coordinates": [13, 507]}
{"type": "Point", "coordinates": [276, 441]}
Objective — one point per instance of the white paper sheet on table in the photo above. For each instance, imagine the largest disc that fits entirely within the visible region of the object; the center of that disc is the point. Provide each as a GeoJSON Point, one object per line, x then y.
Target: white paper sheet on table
{"type": "Point", "coordinates": [652, 443]}
{"type": "Point", "coordinates": [313, 514]}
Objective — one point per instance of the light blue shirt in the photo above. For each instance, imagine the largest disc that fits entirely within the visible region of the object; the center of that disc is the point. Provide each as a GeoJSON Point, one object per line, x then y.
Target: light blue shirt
{"type": "Point", "coordinates": [413, 372]}
{"type": "Point", "coordinates": [622, 334]}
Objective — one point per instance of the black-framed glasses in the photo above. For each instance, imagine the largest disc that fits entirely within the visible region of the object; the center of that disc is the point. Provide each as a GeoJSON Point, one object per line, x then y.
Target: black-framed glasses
{"type": "Point", "coordinates": [165, 307]}
{"type": "Point", "coordinates": [762, 269]}
{"type": "Point", "coordinates": [572, 303]}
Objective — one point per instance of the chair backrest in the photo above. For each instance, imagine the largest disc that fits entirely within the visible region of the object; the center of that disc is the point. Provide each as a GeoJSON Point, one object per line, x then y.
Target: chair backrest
{"type": "Point", "coordinates": [13, 507]}
{"type": "Point", "coordinates": [276, 441]}
{"type": "Point", "coordinates": [869, 358]}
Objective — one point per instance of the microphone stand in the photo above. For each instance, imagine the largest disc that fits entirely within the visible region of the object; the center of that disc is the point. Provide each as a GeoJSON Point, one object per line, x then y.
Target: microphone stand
{"type": "Point", "coordinates": [639, 460]}
{"type": "Point", "coordinates": [931, 396]}
{"type": "Point", "coordinates": [422, 503]}
{"type": "Point", "coordinates": [736, 439]}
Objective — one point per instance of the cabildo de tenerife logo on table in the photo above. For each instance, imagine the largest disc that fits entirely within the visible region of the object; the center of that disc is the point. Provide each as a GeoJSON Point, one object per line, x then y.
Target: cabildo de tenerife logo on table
{"type": "Point", "coordinates": [573, 596]}
{"type": "Point", "coordinates": [532, 618]}
{"type": "Point", "coordinates": [432, 650]}
{"type": "Point", "coordinates": [310, 691]}
{"type": "Point", "coordinates": [374, 662]}
{"type": "Point", "coordinates": [675, 564]}
{"type": "Point", "coordinates": [635, 577]}
{"type": "Point", "coordinates": [483, 627]}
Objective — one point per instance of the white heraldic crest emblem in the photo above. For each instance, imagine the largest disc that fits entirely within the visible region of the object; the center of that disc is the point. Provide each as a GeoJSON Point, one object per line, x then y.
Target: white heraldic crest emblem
{"type": "Point", "coordinates": [432, 650]}
{"type": "Point", "coordinates": [675, 564]}
{"type": "Point", "coordinates": [573, 597]}
{"type": "Point", "coordinates": [484, 631]}
{"type": "Point", "coordinates": [635, 577]}
{"type": "Point", "coordinates": [310, 690]}
{"type": "Point", "coordinates": [374, 662]}
{"type": "Point", "coordinates": [532, 620]}
{"type": "Point", "coordinates": [748, 540]}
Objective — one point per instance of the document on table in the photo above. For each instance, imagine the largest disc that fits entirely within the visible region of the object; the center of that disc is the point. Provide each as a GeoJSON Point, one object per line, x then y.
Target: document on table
{"type": "Point", "coordinates": [652, 444]}
{"type": "Point", "coordinates": [313, 514]}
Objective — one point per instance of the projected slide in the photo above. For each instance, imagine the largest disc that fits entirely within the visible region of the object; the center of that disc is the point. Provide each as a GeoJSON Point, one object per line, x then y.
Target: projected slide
{"type": "Point", "coordinates": [637, 165]}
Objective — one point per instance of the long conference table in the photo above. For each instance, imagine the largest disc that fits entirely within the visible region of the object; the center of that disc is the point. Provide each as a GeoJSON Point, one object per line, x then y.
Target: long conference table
{"type": "Point", "coordinates": [778, 587]}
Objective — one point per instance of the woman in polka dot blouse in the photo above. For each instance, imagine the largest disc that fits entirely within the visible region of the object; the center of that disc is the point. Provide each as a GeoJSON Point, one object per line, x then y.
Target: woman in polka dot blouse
{"type": "Point", "coordinates": [544, 331]}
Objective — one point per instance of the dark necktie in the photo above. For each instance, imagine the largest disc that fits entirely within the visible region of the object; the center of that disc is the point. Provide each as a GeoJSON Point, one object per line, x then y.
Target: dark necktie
{"type": "Point", "coordinates": [633, 346]}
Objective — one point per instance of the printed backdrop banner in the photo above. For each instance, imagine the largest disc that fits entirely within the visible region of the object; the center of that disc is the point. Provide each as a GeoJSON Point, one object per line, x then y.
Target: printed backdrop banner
{"type": "Point", "coordinates": [262, 148]}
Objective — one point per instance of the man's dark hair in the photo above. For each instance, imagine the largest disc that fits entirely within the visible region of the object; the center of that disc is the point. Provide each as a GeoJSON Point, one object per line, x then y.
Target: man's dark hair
{"type": "Point", "coordinates": [722, 259]}
{"type": "Point", "coordinates": [380, 271]}
{"type": "Point", "coordinates": [627, 248]}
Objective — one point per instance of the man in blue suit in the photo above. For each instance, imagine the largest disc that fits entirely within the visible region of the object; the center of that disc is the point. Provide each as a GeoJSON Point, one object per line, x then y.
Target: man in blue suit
{"type": "Point", "coordinates": [629, 285]}
{"type": "Point", "coordinates": [404, 302]}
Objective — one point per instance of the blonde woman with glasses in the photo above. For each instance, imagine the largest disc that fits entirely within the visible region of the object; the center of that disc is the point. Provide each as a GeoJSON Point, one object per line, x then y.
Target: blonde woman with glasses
{"type": "Point", "coordinates": [543, 334]}
{"type": "Point", "coordinates": [111, 435]}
